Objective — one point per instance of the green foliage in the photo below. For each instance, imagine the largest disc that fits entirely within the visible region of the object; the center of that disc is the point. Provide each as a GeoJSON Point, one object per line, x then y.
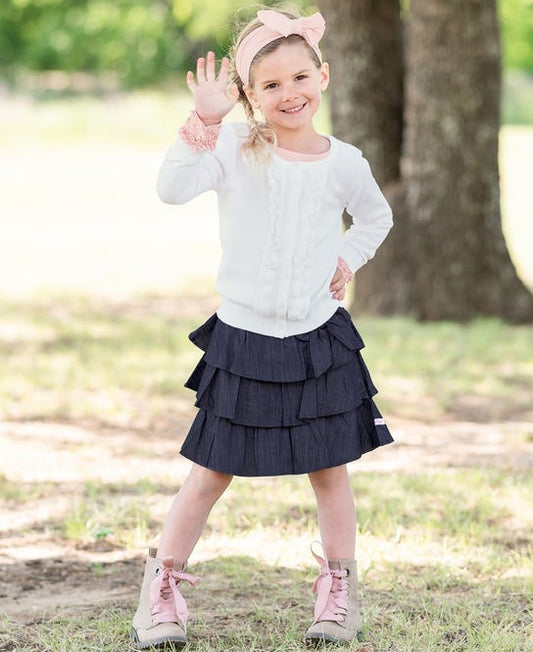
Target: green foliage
{"type": "Point", "coordinates": [516, 19]}
{"type": "Point", "coordinates": [136, 42]}
{"type": "Point", "coordinates": [220, 21]}
{"type": "Point", "coordinates": [145, 41]}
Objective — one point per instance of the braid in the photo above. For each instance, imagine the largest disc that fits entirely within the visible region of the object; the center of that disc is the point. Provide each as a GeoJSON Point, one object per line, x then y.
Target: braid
{"type": "Point", "coordinates": [258, 146]}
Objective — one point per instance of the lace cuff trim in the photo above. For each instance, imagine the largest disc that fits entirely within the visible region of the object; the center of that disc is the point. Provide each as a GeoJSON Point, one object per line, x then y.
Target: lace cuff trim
{"type": "Point", "coordinates": [343, 266]}
{"type": "Point", "coordinates": [197, 135]}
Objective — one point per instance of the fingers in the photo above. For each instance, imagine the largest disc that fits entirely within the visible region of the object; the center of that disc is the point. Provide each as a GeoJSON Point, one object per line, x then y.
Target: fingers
{"type": "Point", "coordinates": [339, 296]}
{"type": "Point", "coordinates": [200, 70]}
{"type": "Point", "coordinates": [337, 287]}
{"type": "Point", "coordinates": [191, 84]}
{"type": "Point", "coordinates": [337, 281]}
{"type": "Point", "coordinates": [210, 68]}
{"type": "Point", "coordinates": [223, 74]}
{"type": "Point", "coordinates": [206, 69]}
{"type": "Point", "coordinates": [338, 293]}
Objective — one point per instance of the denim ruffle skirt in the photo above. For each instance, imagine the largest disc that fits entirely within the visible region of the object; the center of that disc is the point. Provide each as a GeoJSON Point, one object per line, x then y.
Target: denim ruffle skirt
{"type": "Point", "coordinates": [278, 406]}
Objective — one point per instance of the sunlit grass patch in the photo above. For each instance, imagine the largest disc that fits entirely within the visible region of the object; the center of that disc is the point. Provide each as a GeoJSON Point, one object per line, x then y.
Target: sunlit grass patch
{"type": "Point", "coordinates": [454, 504]}
{"type": "Point", "coordinates": [69, 633]}
{"type": "Point", "coordinates": [138, 117]}
{"type": "Point", "coordinates": [117, 515]}
{"type": "Point", "coordinates": [118, 522]}
{"type": "Point", "coordinates": [462, 618]}
{"type": "Point", "coordinates": [88, 361]}
{"type": "Point", "coordinates": [445, 563]}
{"type": "Point", "coordinates": [446, 363]}
{"type": "Point", "coordinates": [76, 358]}
{"type": "Point", "coordinates": [135, 118]}
{"type": "Point", "coordinates": [16, 492]}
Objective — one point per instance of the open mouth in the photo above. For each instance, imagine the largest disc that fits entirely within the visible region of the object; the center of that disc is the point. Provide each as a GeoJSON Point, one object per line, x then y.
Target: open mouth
{"type": "Point", "coordinates": [295, 109]}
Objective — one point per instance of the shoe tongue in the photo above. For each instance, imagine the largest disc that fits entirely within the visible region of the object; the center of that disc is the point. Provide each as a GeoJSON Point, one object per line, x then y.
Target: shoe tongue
{"type": "Point", "coordinates": [335, 564]}
{"type": "Point", "coordinates": [176, 565]}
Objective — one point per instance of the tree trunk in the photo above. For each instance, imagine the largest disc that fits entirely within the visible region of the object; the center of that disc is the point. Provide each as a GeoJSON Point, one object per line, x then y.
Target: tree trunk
{"type": "Point", "coordinates": [446, 256]}
{"type": "Point", "coordinates": [363, 43]}
{"type": "Point", "coordinates": [460, 265]}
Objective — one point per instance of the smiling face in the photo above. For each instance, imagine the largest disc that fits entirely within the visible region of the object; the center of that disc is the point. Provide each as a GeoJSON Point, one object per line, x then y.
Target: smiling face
{"type": "Point", "coordinates": [287, 85]}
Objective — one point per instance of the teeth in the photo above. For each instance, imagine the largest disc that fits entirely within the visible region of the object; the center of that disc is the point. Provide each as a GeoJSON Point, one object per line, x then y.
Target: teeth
{"type": "Point", "coordinates": [296, 108]}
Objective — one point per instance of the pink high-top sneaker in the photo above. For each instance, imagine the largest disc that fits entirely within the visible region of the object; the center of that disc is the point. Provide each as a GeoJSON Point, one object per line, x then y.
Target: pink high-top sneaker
{"type": "Point", "coordinates": [160, 621]}
{"type": "Point", "coordinates": [337, 618]}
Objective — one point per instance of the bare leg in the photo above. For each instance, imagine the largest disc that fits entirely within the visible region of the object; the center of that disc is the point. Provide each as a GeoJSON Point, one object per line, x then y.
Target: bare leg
{"type": "Point", "coordinates": [188, 514]}
{"type": "Point", "coordinates": [336, 511]}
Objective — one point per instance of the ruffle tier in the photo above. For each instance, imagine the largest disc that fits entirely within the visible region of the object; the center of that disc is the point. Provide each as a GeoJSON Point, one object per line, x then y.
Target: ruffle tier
{"type": "Point", "coordinates": [276, 406]}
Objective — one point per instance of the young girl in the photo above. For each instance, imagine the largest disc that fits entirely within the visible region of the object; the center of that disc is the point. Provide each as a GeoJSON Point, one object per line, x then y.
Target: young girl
{"type": "Point", "coordinates": [281, 387]}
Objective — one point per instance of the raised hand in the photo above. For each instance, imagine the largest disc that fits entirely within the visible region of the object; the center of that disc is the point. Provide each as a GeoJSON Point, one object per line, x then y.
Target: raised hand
{"type": "Point", "coordinates": [212, 97]}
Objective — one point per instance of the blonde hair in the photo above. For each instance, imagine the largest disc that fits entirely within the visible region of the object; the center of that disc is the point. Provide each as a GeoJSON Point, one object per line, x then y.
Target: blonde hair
{"type": "Point", "coordinates": [262, 138]}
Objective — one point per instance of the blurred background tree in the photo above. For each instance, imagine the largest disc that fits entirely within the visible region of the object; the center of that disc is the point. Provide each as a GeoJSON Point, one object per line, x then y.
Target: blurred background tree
{"type": "Point", "coordinates": [141, 42]}
{"type": "Point", "coordinates": [137, 42]}
{"type": "Point", "coordinates": [133, 43]}
{"type": "Point", "coordinates": [516, 17]}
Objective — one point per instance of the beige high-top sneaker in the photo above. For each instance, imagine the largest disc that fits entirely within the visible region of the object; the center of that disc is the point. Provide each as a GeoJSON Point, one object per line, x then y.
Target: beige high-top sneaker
{"type": "Point", "coordinates": [337, 618]}
{"type": "Point", "coordinates": [160, 621]}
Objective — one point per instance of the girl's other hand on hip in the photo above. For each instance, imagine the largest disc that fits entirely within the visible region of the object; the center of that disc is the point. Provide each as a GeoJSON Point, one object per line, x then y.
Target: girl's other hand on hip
{"type": "Point", "coordinates": [337, 287]}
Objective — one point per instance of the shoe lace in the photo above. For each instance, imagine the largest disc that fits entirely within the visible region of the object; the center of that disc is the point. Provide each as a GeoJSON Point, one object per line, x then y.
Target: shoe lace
{"type": "Point", "coordinates": [167, 603]}
{"type": "Point", "coordinates": [331, 588]}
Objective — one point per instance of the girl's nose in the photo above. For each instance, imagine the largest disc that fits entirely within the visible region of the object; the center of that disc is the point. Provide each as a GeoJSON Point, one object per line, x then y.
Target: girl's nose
{"type": "Point", "coordinates": [288, 94]}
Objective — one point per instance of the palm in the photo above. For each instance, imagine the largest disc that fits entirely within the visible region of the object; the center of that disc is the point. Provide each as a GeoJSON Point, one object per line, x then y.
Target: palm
{"type": "Point", "coordinates": [212, 98]}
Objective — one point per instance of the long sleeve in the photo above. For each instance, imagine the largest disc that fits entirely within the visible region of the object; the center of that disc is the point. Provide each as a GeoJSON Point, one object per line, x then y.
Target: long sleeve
{"type": "Point", "coordinates": [186, 173]}
{"type": "Point", "coordinates": [372, 219]}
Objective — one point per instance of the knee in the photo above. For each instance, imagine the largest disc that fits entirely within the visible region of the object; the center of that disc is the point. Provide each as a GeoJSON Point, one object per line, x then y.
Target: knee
{"type": "Point", "coordinates": [329, 479]}
{"type": "Point", "coordinates": [209, 484]}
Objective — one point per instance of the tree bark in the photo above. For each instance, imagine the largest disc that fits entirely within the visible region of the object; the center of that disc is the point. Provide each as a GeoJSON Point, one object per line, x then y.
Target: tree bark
{"type": "Point", "coordinates": [363, 43]}
{"type": "Point", "coordinates": [446, 257]}
{"type": "Point", "coordinates": [460, 265]}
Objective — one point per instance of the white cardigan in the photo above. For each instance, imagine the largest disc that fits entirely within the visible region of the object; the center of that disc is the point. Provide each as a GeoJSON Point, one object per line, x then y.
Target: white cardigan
{"type": "Point", "coordinates": [280, 229]}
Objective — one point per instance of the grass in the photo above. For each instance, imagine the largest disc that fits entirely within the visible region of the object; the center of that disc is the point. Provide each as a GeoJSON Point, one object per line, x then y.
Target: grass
{"type": "Point", "coordinates": [402, 619]}
{"type": "Point", "coordinates": [76, 358]}
{"type": "Point", "coordinates": [517, 97]}
{"type": "Point", "coordinates": [445, 552]}
{"type": "Point", "coordinates": [136, 118]}
{"type": "Point", "coordinates": [445, 563]}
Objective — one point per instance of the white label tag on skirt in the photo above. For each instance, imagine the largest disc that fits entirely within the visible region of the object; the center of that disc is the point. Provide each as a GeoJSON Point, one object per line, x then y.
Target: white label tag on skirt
{"type": "Point", "coordinates": [379, 422]}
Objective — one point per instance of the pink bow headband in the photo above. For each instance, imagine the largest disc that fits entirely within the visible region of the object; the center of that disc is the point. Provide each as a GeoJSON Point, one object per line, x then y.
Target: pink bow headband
{"type": "Point", "coordinates": [276, 25]}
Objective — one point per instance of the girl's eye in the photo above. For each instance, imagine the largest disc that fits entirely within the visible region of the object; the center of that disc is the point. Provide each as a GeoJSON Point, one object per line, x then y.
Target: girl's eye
{"type": "Point", "coordinates": [269, 86]}
{"type": "Point", "coordinates": [299, 77]}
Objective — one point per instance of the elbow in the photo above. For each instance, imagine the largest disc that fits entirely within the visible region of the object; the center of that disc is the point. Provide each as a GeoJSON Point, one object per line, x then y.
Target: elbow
{"type": "Point", "coordinates": [171, 195]}
{"type": "Point", "coordinates": [389, 217]}
{"type": "Point", "coordinates": [388, 220]}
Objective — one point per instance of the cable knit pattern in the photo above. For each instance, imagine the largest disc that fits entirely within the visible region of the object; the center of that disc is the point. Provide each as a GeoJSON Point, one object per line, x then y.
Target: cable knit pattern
{"type": "Point", "coordinates": [303, 258]}
{"type": "Point", "coordinates": [281, 235]}
{"type": "Point", "coordinates": [266, 303]}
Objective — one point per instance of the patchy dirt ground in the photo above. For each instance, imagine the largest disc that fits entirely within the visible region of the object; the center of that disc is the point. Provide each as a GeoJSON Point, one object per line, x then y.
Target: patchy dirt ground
{"type": "Point", "coordinates": [99, 213]}
{"type": "Point", "coordinates": [41, 573]}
